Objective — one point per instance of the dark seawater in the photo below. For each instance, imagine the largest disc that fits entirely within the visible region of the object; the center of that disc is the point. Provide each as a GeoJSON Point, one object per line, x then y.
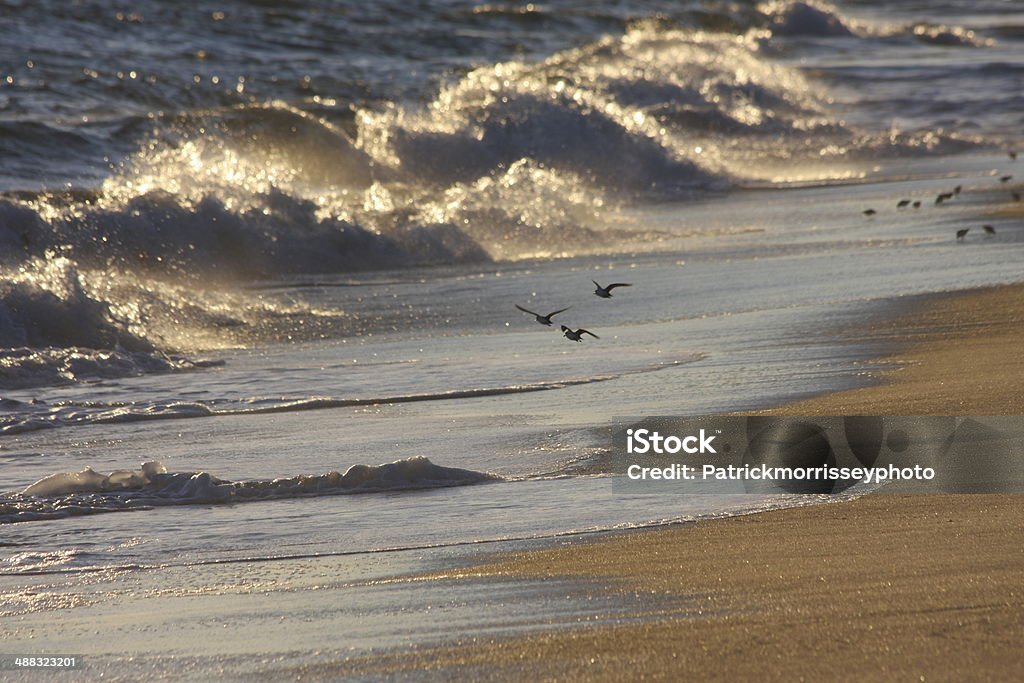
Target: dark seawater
{"type": "Point", "coordinates": [153, 151]}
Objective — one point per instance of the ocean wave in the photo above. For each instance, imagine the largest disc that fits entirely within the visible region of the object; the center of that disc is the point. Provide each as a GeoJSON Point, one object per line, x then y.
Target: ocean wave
{"type": "Point", "coordinates": [70, 494]}
{"type": "Point", "coordinates": [800, 19]}
{"type": "Point", "coordinates": [947, 36]}
{"type": "Point", "coordinates": [514, 159]}
{"type": "Point", "coordinates": [523, 158]}
{"type": "Point", "coordinates": [63, 322]}
{"type": "Point", "coordinates": [807, 19]}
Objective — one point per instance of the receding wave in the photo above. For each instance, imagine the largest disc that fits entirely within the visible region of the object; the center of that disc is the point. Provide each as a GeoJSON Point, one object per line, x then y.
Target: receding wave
{"type": "Point", "coordinates": [32, 416]}
{"type": "Point", "coordinates": [70, 494]}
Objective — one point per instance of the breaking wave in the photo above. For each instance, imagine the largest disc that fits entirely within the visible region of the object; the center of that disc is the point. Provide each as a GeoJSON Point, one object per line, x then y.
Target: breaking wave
{"type": "Point", "coordinates": [807, 19]}
{"type": "Point", "coordinates": [61, 322]}
{"type": "Point", "coordinates": [70, 494]}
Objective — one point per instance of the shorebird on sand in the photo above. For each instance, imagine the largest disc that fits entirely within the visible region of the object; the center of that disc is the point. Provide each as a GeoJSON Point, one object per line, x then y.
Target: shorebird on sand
{"type": "Point", "coordinates": [961, 234]}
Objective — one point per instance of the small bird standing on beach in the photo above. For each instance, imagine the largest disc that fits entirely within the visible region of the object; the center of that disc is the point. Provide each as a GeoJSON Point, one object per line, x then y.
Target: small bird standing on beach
{"type": "Point", "coordinates": [1012, 154]}
{"type": "Point", "coordinates": [903, 203]}
{"type": "Point", "coordinates": [543, 319]}
{"type": "Point", "coordinates": [917, 204]}
{"type": "Point", "coordinates": [1006, 179]}
{"type": "Point", "coordinates": [943, 196]}
{"type": "Point", "coordinates": [1016, 196]}
{"type": "Point", "coordinates": [989, 230]}
{"type": "Point", "coordinates": [869, 212]}
{"type": "Point", "coordinates": [606, 292]}
{"type": "Point", "coordinates": [577, 335]}
{"type": "Point", "coordinates": [961, 234]}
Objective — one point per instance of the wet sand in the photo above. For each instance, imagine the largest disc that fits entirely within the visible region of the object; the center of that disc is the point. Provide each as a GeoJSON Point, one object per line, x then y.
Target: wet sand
{"type": "Point", "coordinates": [956, 355]}
{"type": "Point", "coordinates": [881, 588]}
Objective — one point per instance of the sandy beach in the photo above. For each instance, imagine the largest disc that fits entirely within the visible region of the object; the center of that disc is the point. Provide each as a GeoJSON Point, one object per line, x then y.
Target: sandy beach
{"type": "Point", "coordinates": [881, 588]}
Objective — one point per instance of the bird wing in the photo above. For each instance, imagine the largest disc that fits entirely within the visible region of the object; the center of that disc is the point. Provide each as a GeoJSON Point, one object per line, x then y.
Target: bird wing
{"type": "Point", "coordinates": [526, 310]}
{"type": "Point", "coordinates": [583, 331]}
{"type": "Point", "coordinates": [617, 284]}
{"type": "Point", "coordinates": [560, 310]}
{"type": "Point", "coordinates": [597, 285]}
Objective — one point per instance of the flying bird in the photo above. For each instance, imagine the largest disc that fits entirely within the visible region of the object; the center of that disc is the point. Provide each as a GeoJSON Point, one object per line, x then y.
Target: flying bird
{"type": "Point", "coordinates": [606, 292]}
{"type": "Point", "coordinates": [961, 234]}
{"type": "Point", "coordinates": [869, 212]}
{"type": "Point", "coordinates": [543, 319]}
{"type": "Point", "coordinates": [989, 230]}
{"type": "Point", "coordinates": [577, 335]}
{"type": "Point", "coordinates": [904, 203]}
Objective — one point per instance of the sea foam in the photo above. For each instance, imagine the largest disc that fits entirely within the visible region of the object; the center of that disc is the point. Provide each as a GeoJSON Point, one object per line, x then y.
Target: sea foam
{"type": "Point", "coordinates": [68, 494]}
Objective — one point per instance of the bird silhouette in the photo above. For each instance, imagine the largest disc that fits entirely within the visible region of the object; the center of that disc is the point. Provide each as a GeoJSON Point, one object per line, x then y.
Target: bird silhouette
{"type": "Point", "coordinates": [543, 319]}
{"type": "Point", "coordinates": [869, 212]}
{"type": "Point", "coordinates": [577, 335]}
{"type": "Point", "coordinates": [606, 292]}
{"type": "Point", "coordinates": [989, 230]}
{"type": "Point", "coordinates": [961, 234]}
{"type": "Point", "coordinates": [903, 204]}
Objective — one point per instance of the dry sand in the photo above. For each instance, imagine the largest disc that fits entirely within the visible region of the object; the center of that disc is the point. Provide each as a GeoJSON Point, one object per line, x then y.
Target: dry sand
{"type": "Point", "coordinates": [882, 588]}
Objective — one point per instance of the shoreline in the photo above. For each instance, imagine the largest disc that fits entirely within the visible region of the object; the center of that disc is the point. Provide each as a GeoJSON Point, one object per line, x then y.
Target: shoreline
{"type": "Point", "coordinates": [952, 355]}
{"type": "Point", "coordinates": [883, 586]}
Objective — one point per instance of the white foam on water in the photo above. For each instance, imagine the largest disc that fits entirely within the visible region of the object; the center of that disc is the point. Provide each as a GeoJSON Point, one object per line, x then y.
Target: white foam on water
{"type": "Point", "coordinates": [69, 494]}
